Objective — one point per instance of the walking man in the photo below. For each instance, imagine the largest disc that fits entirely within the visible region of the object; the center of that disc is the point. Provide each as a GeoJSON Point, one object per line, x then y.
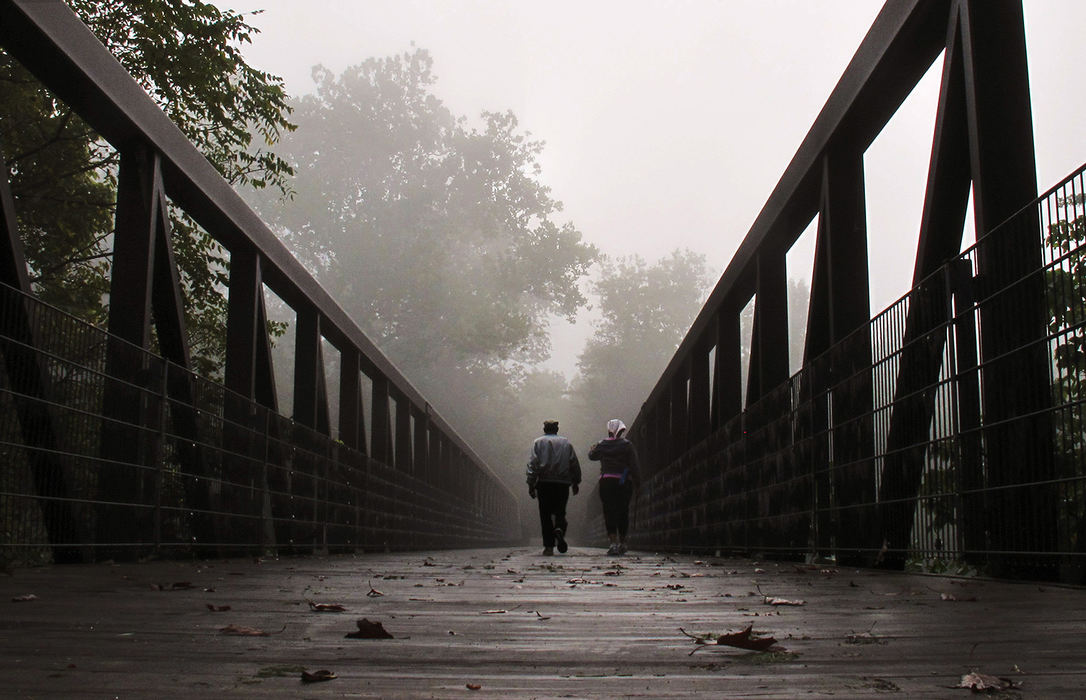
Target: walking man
{"type": "Point", "coordinates": [552, 469]}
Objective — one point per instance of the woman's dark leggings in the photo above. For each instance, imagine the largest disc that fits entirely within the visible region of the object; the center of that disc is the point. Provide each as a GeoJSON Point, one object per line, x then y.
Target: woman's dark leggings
{"type": "Point", "coordinates": [616, 506]}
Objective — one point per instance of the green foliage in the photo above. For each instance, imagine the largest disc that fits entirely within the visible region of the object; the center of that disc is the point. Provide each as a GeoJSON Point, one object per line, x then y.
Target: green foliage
{"type": "Point", "coordinates": [939, 486]}
{"type": "Point", "coordinates": [1065, 287]}
{"type": "Point", "coordinates": [186, 54]}
{"type": "Point", "coordinates": [1066, 292]}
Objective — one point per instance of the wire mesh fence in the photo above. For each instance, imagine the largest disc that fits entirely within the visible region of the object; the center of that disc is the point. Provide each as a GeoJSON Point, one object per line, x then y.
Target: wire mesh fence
{"type": "Point", "coordinates": [95, 467]}
{"type": "Point", "coordinates": [955, 445]}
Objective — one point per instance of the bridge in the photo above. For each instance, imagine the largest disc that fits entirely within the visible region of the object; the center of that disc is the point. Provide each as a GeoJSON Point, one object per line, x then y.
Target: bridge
{"type": "Point", "coordinates": [942, 434]}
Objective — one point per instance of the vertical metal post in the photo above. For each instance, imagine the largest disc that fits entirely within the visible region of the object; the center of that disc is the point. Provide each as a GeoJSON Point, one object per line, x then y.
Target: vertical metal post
{"type": "Point", "coordinates": [1013, 320]}
{"type": "Point", "coordinates": [380, 442]}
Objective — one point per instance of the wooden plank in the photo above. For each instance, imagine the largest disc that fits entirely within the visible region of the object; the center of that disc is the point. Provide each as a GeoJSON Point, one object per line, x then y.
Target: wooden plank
{"type": "Point", "coordinates": [580, 624]}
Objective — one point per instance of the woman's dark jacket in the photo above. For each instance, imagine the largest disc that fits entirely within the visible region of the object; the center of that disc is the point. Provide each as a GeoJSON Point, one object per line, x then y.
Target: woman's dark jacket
{"type": "Point", "coordinates": [616, 456]}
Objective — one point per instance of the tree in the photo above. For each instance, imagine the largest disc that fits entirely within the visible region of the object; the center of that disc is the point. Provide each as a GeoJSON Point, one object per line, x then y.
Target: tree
{"type": "Point", "coordinates": [645, 311]}
{"type": "Point", "coordinates": [186, 54]}
{"type": "Point", "coordinates": [437, 238]}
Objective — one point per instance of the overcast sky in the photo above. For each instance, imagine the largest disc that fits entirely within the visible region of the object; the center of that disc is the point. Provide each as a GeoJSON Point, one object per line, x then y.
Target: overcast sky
{"type": "Point", "coordinates": [668, 123]}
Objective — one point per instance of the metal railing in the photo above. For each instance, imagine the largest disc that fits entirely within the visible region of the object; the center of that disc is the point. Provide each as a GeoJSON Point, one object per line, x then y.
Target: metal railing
{"type": "Point", "coordinates": [919, 467]}
{"type": "Point", "coordinates": [200, 482]}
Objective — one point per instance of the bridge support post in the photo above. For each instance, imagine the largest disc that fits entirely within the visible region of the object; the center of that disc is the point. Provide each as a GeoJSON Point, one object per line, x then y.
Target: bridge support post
{"type": "Point", "coordinates": [30, 384]}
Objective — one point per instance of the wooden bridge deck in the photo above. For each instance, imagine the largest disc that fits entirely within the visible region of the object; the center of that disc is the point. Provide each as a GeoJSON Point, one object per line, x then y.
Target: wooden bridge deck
{"type": "Point", "coordinates": [511, 623]}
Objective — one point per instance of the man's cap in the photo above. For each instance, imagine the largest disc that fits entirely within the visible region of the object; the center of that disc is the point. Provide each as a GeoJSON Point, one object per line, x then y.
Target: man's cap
{"type": "Point", "coordinates": [550, 425]}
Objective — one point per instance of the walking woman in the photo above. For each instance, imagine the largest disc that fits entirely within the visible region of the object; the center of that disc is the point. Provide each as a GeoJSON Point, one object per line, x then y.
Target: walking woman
{"type": "Point", "coordinates": [618, 479]}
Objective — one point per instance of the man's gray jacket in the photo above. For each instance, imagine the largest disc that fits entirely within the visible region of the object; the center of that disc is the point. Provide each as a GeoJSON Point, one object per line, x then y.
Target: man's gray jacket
{"type": "Point", "coordinates": [553, 460]}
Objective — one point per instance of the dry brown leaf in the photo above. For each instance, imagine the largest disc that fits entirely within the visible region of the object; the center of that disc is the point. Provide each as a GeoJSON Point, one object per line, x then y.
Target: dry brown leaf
{"type": "Point", "coordinates": [741, 640]}
{"type": "Point", "coordinates": [217, 608]}
{"type": "Point", "coordinates": [769, 600]}
{"type": "Point", "coordinates": [317, 676]}
{"type": "Point", "coordinates": [326, 607]}
{"type": "Point", "coordinates": [986, 683]}
{"type": "Point", "coordinates": [176, 586]}
{"type": "Point", "coordinates": [242, 631]}
{"type": "Point", "coordinates": [867, 637]}
{"type": "Point", "coordinates": [369, 630]}
{"type": "Point", "coordinates": [474, 686]}
{"type": "Point", "coordinates": [25, 598]}
{"type": "Point", "coordinates": [744, 640]}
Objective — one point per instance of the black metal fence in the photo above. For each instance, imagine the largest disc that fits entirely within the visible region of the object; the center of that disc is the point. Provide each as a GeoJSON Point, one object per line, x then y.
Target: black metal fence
{"type": "Point", "coordinates": [958, 448]}
{"type": "Point", "coordinates": [195, 481]}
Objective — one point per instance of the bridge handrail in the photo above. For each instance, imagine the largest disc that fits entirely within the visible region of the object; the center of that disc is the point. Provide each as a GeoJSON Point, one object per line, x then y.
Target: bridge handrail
{"type": "Point", "coordinates": [50, 41]}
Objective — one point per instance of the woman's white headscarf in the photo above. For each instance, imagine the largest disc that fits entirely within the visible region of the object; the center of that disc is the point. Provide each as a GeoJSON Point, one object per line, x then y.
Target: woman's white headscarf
{"type": "Point", "coordinates": [615, 427]}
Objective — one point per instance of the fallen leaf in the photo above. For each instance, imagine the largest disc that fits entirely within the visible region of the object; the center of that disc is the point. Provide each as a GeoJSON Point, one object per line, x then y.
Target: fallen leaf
{"type": "Point", "coordinates": [492, 612]}
{"type": "Point", "coordinates": [326, 607]}
{"type": "Point", "coordinates": [769, 600]}
{"type": "Point", "coordinates": [983, 682]}
{"type": "Point", "coordinates": [474, 686]}
{"type": "Point", "coordinates": [217, 608]}
{"type": "Point", "coordinates": [953, 598]}
{"type": "Point", "coordinates": [540, 617]}
{"type": "Point", "coordinates": [369, 630]}
{"type": "Point", "coordinates": [864, 638]}
{"type": "Point", "coordinates": [242, 631]}
{"type": "Point", "coordinates": [674, 586]}
{"type": "Point", "coordinates": [742, 640]}
{"type": "Point", "coordinates": [882, 552]}
{"type": "Point", "coordinates": [26, 598]}
{"type": "Point", "coordinates": [177, 586]}
{"type": "Point", "coordinates": [317, 676]}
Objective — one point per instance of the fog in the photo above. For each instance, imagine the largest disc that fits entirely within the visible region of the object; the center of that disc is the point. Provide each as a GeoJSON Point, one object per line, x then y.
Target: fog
{"type": "Point", "coordinates": [666, 126]}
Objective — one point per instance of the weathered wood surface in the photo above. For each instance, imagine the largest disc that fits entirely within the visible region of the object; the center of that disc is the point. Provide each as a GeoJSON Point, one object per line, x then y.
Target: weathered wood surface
{"type": "Point", "coordinates": [521, 625]}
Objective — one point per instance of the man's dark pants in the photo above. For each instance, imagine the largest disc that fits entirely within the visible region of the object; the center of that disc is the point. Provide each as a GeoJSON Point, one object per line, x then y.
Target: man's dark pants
{"type": "Point", "coordinates": [552, 508]}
